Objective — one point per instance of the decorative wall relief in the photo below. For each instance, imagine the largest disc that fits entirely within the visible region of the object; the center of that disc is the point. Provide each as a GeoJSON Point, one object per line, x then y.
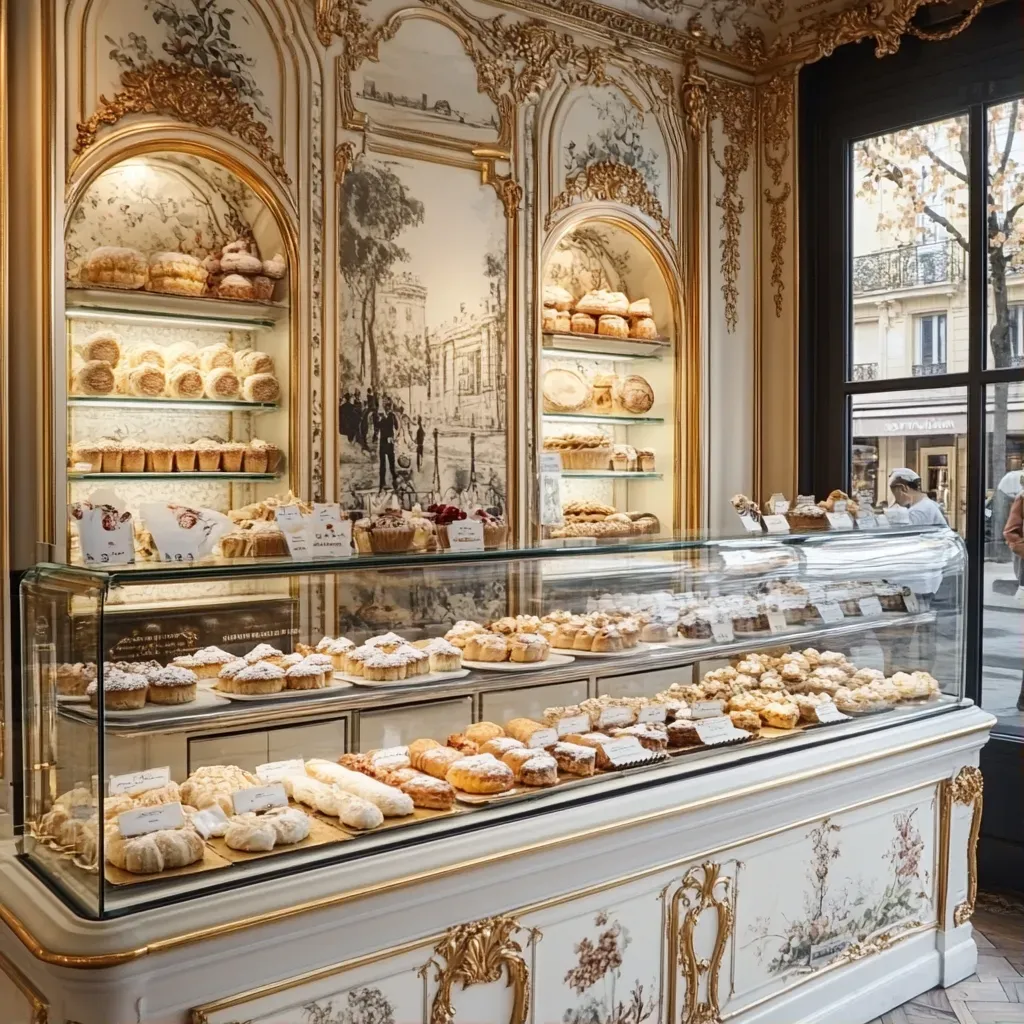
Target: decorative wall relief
{"type": "Point", "coordinates": [422, 335]}
{"type": "Point", "coordinates": [733, 106]}
{"type": "Point", "coordinates": [968, 789]}
{"type": "Point", "coordinates": [185, 59]}
{"type": "Point", "coordinates": [361, 1006]}
{"type": "Point", "coordinates": [775, 106]}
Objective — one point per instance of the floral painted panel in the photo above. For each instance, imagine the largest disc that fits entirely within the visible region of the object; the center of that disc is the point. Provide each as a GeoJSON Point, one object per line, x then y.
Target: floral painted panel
{"type": "Point", "coordinates": [422, 336]}
{"type": "Point", "coordinates": [604, 124]}
{"type": "Point", "coordinates": [425, 82]}
{"type": "Point", "coordinates": [845, 881]}
{"type": "Point", "coordinates": [168, 202]}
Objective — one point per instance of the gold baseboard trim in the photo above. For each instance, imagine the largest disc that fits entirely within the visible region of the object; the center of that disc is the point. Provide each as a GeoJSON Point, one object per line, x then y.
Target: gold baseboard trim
{"type": "Point", "coordinates": [104, 960]}
{"type": "Point", "coordinates": [36, 1000]}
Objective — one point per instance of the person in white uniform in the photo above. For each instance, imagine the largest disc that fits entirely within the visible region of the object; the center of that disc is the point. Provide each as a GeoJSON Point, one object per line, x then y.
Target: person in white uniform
{"type": "Point", "coordinates": [905, 485]}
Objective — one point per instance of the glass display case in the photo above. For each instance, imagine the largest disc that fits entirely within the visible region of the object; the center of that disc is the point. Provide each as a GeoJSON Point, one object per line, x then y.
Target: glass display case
{"type": "Point", "coordinates": [235, 720]}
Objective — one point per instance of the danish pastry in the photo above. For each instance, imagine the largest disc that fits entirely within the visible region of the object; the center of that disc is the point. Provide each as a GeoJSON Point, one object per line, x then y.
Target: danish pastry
{"type": "Point", "coordinates": [480, 774]}
{"type": "Point", "coordinates": [527, 731]}
{"type": "Point", "coordinates": [501, 745]}
{"type": "Point", "coordinates": [435, 761]}
{"type": "Point", "coordinates": [417, 747]}
{"type": "Point", "coordinates": [429, 792]}
{"type": "Point", "coordinates": [481, 732]}
{"type": "Point", "coordinates": [460, 742]}
{"type": "Point", "coordinates": [582, 323]}
{"type": "Point", "coordinates": [532, 767]}
{"type": "Point", "coordinates": [574, 759]}
{"type": "Point", "coordinates": [112, 266]}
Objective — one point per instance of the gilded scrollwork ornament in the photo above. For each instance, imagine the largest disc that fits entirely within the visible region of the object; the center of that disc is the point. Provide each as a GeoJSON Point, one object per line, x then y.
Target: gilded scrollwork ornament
{"type": "Point", "coordinates": [611, 182]}
{"type": "Point", "coordinates": [189, 94]}
{"type": "Point", "coordinates": [968, 788]}
{"type": "Point", "coordinates": [733, 104]}
{"type": "Point", "coordinates": [693, 92]}
{"type": "Point", "coordinates": [344, 157]}
{"type": "Point", "coordinates": [480, 953]}
{"type": "Point", "coordinates": [510, 192]}
{"type": "Point", "coordinates": [775, 105]}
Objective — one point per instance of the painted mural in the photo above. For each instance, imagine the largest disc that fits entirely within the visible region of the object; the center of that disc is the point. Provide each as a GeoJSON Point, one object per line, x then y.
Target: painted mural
{"type": "Point", "coordinates": [422, 336]}
{"type": "Point", "coordinates": [361, 1006]}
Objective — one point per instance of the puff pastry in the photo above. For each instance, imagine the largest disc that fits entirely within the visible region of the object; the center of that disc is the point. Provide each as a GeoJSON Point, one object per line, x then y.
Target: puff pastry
{"type": "Point", "coordinates": [182, 352]}
{"type": "Point", "coordinates": [392, 802]}
{"type": "Point", "coordinates": [112, 266]}
{"type": "Point", "coordinates": [155, 852]}
{"type": "Point", "coordinates": [221, 383]}
{"type": "Point", "coordinates": [261, 387]}
{"type": "Point", "coordinates": [184, 381]}
{"type": "Point", "coordinates": [139, 354]}
{"type": "Point", "coordinates": [93, 378]}
{"type": "Point", "coordinates": [103, 345]}
{"type": "Point", "coordinates": [480, 774]}
{"type": "Point", "coordinates": [251, 361]}
{"type": "Point", "coordinates": [435, 761]}
{"type": "Point", "coordinates": [350, 810]}
{"type": "Point", "coordinates": [213, 785]}
{"type": "Point", "coordinates": [601, 301]}
{"type": "Point", "coordinates": [213, 356]}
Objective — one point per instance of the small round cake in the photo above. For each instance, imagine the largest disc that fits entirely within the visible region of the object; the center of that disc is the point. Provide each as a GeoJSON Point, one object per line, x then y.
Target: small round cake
{"type": "Point", "coordinates": [122, 691]}
{"type": "Point", "coordinates": [172, 685]}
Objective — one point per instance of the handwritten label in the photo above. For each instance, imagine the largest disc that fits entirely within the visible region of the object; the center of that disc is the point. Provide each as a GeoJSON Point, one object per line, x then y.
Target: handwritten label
{"type": "Point", "coordinates": [331, 533]}
{"type": "Point", "coordinates": [652, 714]}
{"type": "Point", "coordinates": [777, 622]}
{"type": "Point", "coordinates": [750, 524]}
{"type": "Point", "coordinates": [293, 525]}
{"type": "Point", "coordinates": [275, 771]}
{"type": "Point", "coordinates": [105, 534]}
{"type": "Point", "coordinates": [713, 731]}
{"type": "Point", "coordinates": [806, 499]}
{"type": "Point", "coordinates": [611, 718]}
{"type": "Point", "coordinates": [210, 821]}
{"type": "Point", "coordinates": [542, 738]}
{"type": "Point", "coordinates": [827, 712]}
{"type": "Point", "coordinates": [623, 749]}
{"type": "Point", "coordinates": [721, 631]}
{"type": "Point", "coordinates": [867, 521]}
{"type": "Point", "coordinates": [706, 709]}
{"type": "Point", "coordinates": [839, 520]}
{"type": "Point", "coordinates": [778, 503]}
{"type": "Point", "coordinates": [825, 952]}
{"type": "Point", "coordinates": [150, 819]}
{"type": "Point", "coordinates": [777, 523]}
{"type": "Point", "coordinates": [466, 535]}
{"type": "Point", "coordinates": [829, 611]}
{"type": "Point", "coordinates": [870, 606]}
{"type": "Point", "coordinates": [910, 602]}
{"type": "Point", "coordinates": [257, 799]}
{"type": "Point", "coordinates": [139, 782]}
{"type": "Point", "coordinates": [572, 724]}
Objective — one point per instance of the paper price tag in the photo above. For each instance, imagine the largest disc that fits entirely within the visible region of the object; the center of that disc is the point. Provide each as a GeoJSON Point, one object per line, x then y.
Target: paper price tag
{"type": "Point", "coordinates": [777, 622]}
{"type": "Point", "coordinates": [713, 731]}
{"type": "Point", "coordinates": [274, 771]}
{"type": "Point", "coordinates": [652, 714]}
{"type": "Point", "coordinates": [259, 798]}
{"type": "Point", "coordinates": [293, 526]}
{"type": "Point", "coordinates": [839, 520]}
{"type": "Point", "coordinates": [867, 521]}
{"type": "Point", "coordinates": [572, 724]}
{"type": "Point", "coordinates": [139, 782]}
{"type": "Point", "coordinates": [542, 738]}
{"type": "Point", "coordinates": [150, 819]}
{"type": "Point", "coordinates": [105, 534]}
{"type": "Point", "coordinates": [778, 503]}
{"type": "Point", "coordinates": [721, 631]}
{"type": "Point", "coordinates": [750, 524]}
{"type": "Point", "coordinates": [706, 709]}
{"type": "Point", "coordinates": [806, 499]}
{"type": "Point", "coordinates": [209, 821]}
{"type": "Point", "coordinates": [829, 611]}
{"type": "Point", "coordinates": [839, 507]}
{"type": "Point", "coordinates": [870, 606]}
{"type": "Point", "coordinates": [828, 712]}
{"type": "Point", "coordinates": [623, 749]}
{"type": "Point", "coordinates": [776, 524]}
{"type": "Point", "coordinates": [466, 535]}
{"type": "Point", "coordinates": [615, 717]}
{"type": "Point", "coordinates": [910, 603]}
{"type": "Point", "coordinates": [331, 533]}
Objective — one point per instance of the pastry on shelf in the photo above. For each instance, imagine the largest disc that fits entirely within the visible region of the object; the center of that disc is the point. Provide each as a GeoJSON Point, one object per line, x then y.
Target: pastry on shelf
{"type": "Point", "coordinates": [602, 388]}
{"type": "Point", "coordinates": [232, 454]}
{"type": "Point", "coordinates": [564, 391]}
{"type": "Point", "coordinates": [634, 395]}
{"type": "Point", "coordinates": [548, 319]}
{"type": "Point", "coordinates": [86, 457]}
{"type": "Point", "coordinates": [207, 455]}
{"type": "Point", "coordinates": [480, 774]}
{"type": "Point", "coordinates": [829, 504]}
{"type": "Point", "coordinates": [239, 262]}
{"type": "Point", "coordinates": [582, 323]}
{"type": "Point", "coordinates": [262, 288]}
{"type": "Point", "coordinates": [392, 802]}
{"type": "Point", "coordinates": [261, 387]}
{"type": "Point", "coordinates": [221, 384]}
{"type": "Point", "coordinates": [350, 810]}
{"type": "Point", "coordinates": [563, 322]}
{"type": "Point", "coordinates": [640, 308]}
{"type": "Point", "coordinates": [613, 326]}
{"type": "Point", "coordinates": [556, 297]}
{"type": "Point", "coordinates": [601, 302]}
{"type": "Point", "coordinates": [112, 266]}
{"type": "Point", "coordinates": [176, 273]}
{"type": "Point", "coordinates": [807, 517]}
{"type": "Point", "coordinates": [581, 451]}
{"type": "Point", "coordinates": [137, 355]}
{"type": "Point", "coordinates": [172, 685]}
{"type": "Point", "coordinates": [275, 268]}
{"type": "Point", "coordinates": [133, 456]}
{"type": "Point", "coordinates": [213, 356]}
{"type": "Point", "coordinates": [154, 852]}
{"type": "Point", "coordinates": [122, 691]}
{"type": "Point", "coordinates": [587, 511]}
{"type": "Point", "coordinates": [624, 457]}
{"type": "Point", "coordinates": [645, 460]}
{"type": "Point", "coordinates": [250, 361]}
{"type": "Point", "coordinates": [234, 286]}
{"type": "Point", "coordinates": [574, 758]}
{"type": "Point", "coordinates": [182, 352]}
{"type": "Point", "coordinates": [644, 329]}
{"type": "Point", "coordinates": [531, 767]}
{"type": "Point", "coordinates": [212, 786]}
{"type": "Point", "coordinates": [104, 346]}
{"type": "Point", "coordinates": [495, 528]}
{"type": "Point", "coordinates": [486, 647]}
{"type": "Point", "coordinates": [94, 377]}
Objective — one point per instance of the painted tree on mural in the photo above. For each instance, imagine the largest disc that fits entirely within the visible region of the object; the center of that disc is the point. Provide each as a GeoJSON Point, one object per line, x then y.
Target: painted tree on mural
{"type": "Point", "coordinates": [376, 208]}
{"type": "Point", "coordinates": [362, 1006]}
{"type": "Point", "coordinates": [925, 169]}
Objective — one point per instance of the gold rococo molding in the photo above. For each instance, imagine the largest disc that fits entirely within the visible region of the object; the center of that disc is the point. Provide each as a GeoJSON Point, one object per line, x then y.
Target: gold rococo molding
{"type": "Point", "coordinates": [610, 182]}
{"type": "Point", "coordinates": [775, 104]}
{"type": "Point", "coordinates": [967, 788]}
{"type": "Point", "coordinates": [189, 94]}
{"type": "Point", "coordinates": [38, 1003]}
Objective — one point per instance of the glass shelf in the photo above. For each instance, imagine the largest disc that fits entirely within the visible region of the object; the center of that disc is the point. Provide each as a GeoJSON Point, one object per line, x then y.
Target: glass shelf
{"type": "Point", "coordinates": [153, 404]}
{"type": "Point", "coordinates": [612, 474]}
{"type": "Point", "coordinates": [602, 347]}
{"type": "Point", "coordinates": [623, 420]}
{"type": "Point", "coordinates": [142, 307]}
{"type": "Point", "coordinates": [217, 475]}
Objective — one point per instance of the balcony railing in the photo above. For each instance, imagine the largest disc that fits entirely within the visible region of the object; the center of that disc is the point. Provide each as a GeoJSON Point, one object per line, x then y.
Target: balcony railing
{"type": "Point", "coordinates": [911, 266]}
{"type": "Point", "coordinates": [929, 369]}
{"type": "Point", "coordinates": [865, 371]}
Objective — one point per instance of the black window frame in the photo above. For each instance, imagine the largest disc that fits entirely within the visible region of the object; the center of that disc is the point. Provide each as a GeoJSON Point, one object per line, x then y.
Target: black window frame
{"type": "Point", "coordinates": [855, 95]}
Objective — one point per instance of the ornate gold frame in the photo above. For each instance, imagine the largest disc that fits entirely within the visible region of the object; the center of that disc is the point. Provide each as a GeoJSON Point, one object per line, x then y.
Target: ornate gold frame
{"type": "Point", "coordinates": [37, 1001]}
{"type": "Point", "coordinates": [965, 788]}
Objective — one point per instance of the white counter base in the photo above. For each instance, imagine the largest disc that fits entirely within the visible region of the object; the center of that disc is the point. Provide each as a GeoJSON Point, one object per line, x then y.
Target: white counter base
{"type": "Point", "coordinates": [703, 899]}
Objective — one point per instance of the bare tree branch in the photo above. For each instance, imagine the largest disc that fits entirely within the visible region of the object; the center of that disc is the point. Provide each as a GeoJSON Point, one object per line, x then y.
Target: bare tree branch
{"type": "Point", "coordinates": [962, 175]}
{"type": "Point", "coordinates": [1010, 214]}
{"type": "Point", "coordinates": [945, 222]}
{"type": "Point", "coordinates": [1009, 136]}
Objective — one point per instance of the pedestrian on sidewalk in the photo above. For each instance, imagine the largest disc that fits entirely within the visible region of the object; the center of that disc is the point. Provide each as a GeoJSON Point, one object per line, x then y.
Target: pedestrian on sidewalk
{"type": "Point", "coordinates": [1013, 534]}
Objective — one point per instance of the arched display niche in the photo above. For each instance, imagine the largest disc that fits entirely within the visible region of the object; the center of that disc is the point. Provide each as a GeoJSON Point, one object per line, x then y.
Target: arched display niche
{"type": "Point", "coordinates": [604, 245]}
{"type": "Point", "coordinates": [191, 167]}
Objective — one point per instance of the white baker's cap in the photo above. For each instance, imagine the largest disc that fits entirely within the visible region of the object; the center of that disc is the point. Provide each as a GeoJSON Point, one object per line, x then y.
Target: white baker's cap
{"type": "Point", "coordinates": [907, 476]}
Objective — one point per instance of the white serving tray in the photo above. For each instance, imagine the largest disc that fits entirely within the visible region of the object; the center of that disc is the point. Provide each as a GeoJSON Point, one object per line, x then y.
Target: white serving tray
{"type": "Point", "coordinates": [204, 699]}
{"type": "Point", "coordinates": [520, 666]}
{"type": "Point", "coordinates": [631, 652]}
{"type": "Point", "coordinates": [420, 680]}
{"type": "Point", "coordinates": [331, 687]}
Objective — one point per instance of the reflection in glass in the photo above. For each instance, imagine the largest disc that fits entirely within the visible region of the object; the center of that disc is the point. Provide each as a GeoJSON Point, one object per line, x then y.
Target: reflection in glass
{"type": "Point", "coordinates": [910, 242]}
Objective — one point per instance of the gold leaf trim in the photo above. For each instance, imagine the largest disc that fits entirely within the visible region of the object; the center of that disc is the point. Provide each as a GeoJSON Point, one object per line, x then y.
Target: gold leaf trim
{"type": "Point", "coordinates": [510, 192]}
{"type": "Point", "coordinates": [968, 788]}
{"type": "Point", "coordinates": [189, 94]}
{"type": "Point", "coordinates": [693, 92]}
{"type": "Point", "coordinates": [478, 954]}
{"type": "Point", "coordinates": [344, 158]}
{"type": "Point", "coordinates": [776, 100]}
{"type": "Point", "coordinates": [703, 889]}
{"type": "Point", "coordinates": [612, 183]}
{"type": "Point", "coordinates": [733, 104]}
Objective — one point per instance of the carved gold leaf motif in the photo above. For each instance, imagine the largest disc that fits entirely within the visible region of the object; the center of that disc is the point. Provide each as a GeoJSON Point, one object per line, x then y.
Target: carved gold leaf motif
{"type": "Point", "coordinates": [694, 99]}
{"type": "Point", "coordinates": [478, 954]}
{"type": "Point", "coordinates": [510, 192]}
{"type": "Point", "coordinates": [189, 94]}
{"type": "Point", "coordinates": [775, 103]}
{"type": "Point", "coordinates": [733, 104]}
{"type": "Point", "coordinates": [611, 183]}
{"type": "Point", "coordinates": [968, 788]}
{"type": "Point", "coordinates": [344, 158]}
